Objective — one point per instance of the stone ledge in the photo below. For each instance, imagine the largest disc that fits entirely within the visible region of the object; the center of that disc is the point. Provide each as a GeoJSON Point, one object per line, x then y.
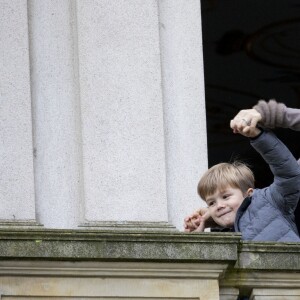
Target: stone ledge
{"type": "Point", "coordinates": [19, 224]}
{"type": "Point", "coordinates": [264, 265]}
{"type": "Point", "coordinates": [112, 269]}
{"type": "Point", "coordinates": [269, 256]}
{"type": "Point", "coordinates": [127, 226]}
{"type": "Point", "coordinates": [139, 255]}
{"type": "Point", "coordinates": [47, 244]}
{"type": "Point", "coordinates": [172, 246]}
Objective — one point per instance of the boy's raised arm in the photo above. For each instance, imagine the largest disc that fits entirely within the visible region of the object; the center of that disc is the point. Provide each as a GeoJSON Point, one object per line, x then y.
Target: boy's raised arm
{"type": "Point", "coordinates": [285, 189]}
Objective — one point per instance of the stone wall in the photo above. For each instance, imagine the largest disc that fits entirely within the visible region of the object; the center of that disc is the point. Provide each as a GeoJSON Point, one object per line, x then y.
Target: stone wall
{"type": "Point", "coordinates": [102, 112]}
{"type": "Point", "coordinates": [103, 141]}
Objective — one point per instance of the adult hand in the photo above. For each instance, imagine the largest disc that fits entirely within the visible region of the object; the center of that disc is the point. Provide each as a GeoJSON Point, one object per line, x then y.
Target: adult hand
{"type": "Point", "coordinates": [245, 123]}
{"type": "Point", "coordinates": [198, 221]}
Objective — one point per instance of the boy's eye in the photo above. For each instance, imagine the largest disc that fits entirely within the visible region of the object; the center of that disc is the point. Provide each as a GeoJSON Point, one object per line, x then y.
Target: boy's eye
{"type": "Point", "coordinates": [225, 196]}
{"type": "Point", "coordinates": [211, 203]}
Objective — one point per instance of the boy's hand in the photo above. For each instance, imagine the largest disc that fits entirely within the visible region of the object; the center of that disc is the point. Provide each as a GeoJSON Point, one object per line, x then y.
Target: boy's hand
{"type": "Point", "coordinates": [245, 123]}
{"type": "Point", "coordinates": [198, 221]}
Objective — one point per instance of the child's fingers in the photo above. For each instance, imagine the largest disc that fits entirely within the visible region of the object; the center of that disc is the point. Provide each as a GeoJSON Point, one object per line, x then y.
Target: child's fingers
{"type": "Point", "coordinates": [192, 222]}
{"type": "Point", "coordinates": [237, 125]}
{"type": "Point", "coordinates": [246, 129]}
{"type": "Point", "coordinates": [196, 222]}
{"type": "Point", "coordinates": [189, 225]}
{"type": "Point", "coordinates": [201, 227]}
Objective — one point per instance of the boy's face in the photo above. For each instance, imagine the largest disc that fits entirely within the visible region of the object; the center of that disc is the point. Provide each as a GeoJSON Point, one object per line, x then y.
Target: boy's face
{"type": "Point", "coordinates": [223, 205]}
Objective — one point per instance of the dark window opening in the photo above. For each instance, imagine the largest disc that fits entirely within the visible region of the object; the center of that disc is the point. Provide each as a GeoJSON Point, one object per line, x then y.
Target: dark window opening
{"type": "Point", "coordinates": [251, 51]}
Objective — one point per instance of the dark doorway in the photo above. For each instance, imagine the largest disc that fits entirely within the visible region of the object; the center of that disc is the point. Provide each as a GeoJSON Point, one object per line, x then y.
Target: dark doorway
{"type": "Point", "coordinates": [251, 52]}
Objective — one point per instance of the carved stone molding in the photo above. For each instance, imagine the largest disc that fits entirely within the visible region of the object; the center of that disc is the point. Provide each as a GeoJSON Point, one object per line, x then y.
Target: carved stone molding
{"type": "Point", "coordinates": [136, 264]}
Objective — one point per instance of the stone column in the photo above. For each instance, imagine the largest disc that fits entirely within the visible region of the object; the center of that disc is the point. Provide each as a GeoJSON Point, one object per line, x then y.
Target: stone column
{"type": "Point", "coordinates": [56, 112]}
{"type": "Point", "coordinates": [184, 104]}
{"type": "Point", "coordinates": [122, 113]}
{"type": "Point", "coordinates": [16, 159]}
{"type": "Point", "coordinates": [118, 111]}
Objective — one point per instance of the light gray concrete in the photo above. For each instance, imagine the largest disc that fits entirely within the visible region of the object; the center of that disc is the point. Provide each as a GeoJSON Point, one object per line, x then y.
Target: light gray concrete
{"type": "Point", "coordinates": [56, 112]}
{"type": "Point", "coordinates": [118, 114]}
{"type": "Point", "coordinates": [16, 160]}
{"type": "Point", "coordinates": [184, 104]}
{"type": "Point", "coordinates": [122, 111]}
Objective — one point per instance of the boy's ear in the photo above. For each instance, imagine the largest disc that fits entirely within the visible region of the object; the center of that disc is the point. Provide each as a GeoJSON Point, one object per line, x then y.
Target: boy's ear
{"type": "Point", "coordinates": [249, 192]}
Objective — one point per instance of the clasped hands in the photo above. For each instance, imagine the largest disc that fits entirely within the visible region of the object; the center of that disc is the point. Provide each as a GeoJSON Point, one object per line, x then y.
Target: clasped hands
{"type": "Point", "coordinates": [198, 221]}
{"type": "Point", "coordinates": [245, 123]}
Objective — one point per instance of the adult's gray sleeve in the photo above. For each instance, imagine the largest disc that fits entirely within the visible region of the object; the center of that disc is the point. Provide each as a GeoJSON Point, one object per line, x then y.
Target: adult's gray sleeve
{"type": "Point", "coordinates": [275, 114]}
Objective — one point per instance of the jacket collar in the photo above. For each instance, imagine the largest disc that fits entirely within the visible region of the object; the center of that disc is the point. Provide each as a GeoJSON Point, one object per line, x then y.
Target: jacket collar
{"type": "Point", "coordinates": [246, 202]}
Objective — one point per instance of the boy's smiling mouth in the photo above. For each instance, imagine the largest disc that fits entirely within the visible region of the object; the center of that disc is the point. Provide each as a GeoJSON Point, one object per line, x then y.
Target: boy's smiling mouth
{"type": "Point", "coordinates": [224, 213]}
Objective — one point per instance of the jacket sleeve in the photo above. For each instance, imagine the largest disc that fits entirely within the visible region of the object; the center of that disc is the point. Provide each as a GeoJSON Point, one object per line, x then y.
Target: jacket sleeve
{"type": "Point", "coordinates": [275, 114]}
{"type": "Point", "coordinates": [285, 189]}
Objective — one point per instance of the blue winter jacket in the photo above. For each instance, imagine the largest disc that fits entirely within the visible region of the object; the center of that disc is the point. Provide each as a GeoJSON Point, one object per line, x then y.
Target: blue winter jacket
{"type": "Point", "coordinates": [268, 215]}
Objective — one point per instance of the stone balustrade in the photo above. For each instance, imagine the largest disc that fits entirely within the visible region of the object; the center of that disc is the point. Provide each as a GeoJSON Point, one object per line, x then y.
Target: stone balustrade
{"type": "Point", "coordinates": [133, 264]}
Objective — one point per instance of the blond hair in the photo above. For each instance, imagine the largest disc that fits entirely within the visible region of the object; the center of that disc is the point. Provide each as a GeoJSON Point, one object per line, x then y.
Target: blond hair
{"type": "Point", "coordinates": [220, 176]}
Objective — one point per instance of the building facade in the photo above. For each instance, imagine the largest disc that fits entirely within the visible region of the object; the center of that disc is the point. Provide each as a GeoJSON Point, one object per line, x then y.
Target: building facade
{"type": "Point", "coordinates": [103, 141]}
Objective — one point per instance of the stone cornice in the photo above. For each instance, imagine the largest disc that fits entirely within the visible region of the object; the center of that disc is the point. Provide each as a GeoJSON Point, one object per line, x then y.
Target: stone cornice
{"type": "Point", "coordinates": [269, 256]}
{"type": "Point", "coordinates": [112, 269]}
{"type": "Point", "coordinates": [236, 266]}
{"type": "Point", "coordinates": [264, 265]}
{"type": "Point", "coordinates": [153, 246]}
{"type": "Point", "coordinates": [47, 244]}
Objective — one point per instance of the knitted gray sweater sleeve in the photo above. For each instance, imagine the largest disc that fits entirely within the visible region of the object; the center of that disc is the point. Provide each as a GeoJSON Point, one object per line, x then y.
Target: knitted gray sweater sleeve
{"type": "Point", "coordinates": [275, 114]}
{"type": "Point", "coordinates": [272, 113]}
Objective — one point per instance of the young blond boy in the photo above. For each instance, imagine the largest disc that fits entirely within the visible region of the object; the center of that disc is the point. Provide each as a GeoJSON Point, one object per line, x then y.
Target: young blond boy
{"type": "Point", "coordinates": [259, 214]}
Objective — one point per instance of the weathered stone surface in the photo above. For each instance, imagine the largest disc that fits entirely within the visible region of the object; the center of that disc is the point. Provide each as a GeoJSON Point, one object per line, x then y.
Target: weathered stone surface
{"type": "Point", "coordinates": [108, 245]}
{"type": "Point", "coordinates": [219, 259]}
{"type": "Point", "coordinates": [266, 266]}
{"type": "Point", "coordinates": [269, 256]}
{"type": "Point", "coordinates": [16, 158]}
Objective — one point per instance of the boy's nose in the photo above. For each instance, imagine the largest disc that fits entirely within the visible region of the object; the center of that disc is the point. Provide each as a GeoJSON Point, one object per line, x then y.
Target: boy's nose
{"type": "Point", "coordinates": [220, 205]}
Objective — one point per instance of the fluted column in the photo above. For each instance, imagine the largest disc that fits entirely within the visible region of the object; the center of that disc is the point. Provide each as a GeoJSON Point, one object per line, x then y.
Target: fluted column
{"type": "Point", "coordinates": [122, 112]}
{"type": "Point", "coordinates": [184, 104]}
{"type": "Point", "coordinates": [17, 204]}
{"type": "Point", "coordinates": [56, 112]}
